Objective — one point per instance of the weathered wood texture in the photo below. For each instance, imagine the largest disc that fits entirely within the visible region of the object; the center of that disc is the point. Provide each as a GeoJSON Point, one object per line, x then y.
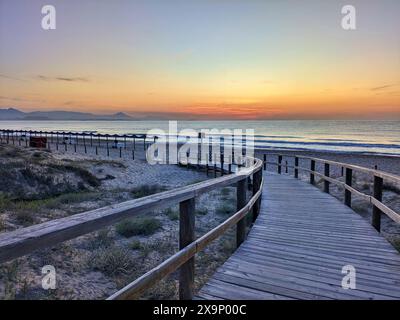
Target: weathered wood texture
{"type": "Point", "coordinates": [298, 246]}
{"type": "Point", "coordinates": [186, 236]}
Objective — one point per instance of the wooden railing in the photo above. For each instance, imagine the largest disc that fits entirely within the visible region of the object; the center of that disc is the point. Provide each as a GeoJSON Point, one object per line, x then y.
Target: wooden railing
{"type": "Point", "coordinates": [85, 139]}
{"type": "Point", "coordinates": [26, 240]}
{"type": "Point", "coordinates": [347, 170]}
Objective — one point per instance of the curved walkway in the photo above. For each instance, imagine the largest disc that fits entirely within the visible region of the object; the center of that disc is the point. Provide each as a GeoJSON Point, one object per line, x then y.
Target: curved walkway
{"type": "Point", "coordinates": [298, 246]}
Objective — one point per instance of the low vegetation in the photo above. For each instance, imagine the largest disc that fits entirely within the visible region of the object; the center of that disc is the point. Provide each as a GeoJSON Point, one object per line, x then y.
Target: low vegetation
{"type": "Point", "coordinates": [138, 226]}
{"type": "Point", "coordinates": [201, 211]}
{"type": "Point", "coordinates": [112, 260]}
{"type": "Point", "coordinates": [135, 245]}
{"type": "Point", "coordinates": [34, 175]}
{"type": "Point", "coordinates": [2, 224]}
{"type": "Point", "coordinates": [102, 239]}
{"type": "Point", "coordinates": [172, 214]}
{"type": "Point", "coordinates": [225, 209]}
{"type": "Point", "coordinates": [147, 190]}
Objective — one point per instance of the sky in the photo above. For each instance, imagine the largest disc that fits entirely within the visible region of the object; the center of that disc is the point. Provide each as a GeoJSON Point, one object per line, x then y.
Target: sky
{"type": "Point", "coordinates": [203, 59]}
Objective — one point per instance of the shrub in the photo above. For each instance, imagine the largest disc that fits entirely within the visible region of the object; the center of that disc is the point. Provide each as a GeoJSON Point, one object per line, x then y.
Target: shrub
{"type": "Point", "coordinates": [172, 214]}
{"type": "Point", "coordinates": [225, 192]}
{"type": "Point", "coordinates": [201, 211]}
{"type": "Point", "coordinates": [84, 174]}
{"type": "Point", "coordinates": [147, 190]}
{"type": "Point", "coordinates": [111, 261]}
{"type": "Point", "coordinates": [25, 217]}
{"type": "Point", "coordinates": [2, 224]}
{"type": "Point", "coordinates": [75, 197]}
{"type": "Point", "coordinates": [5, 202]}
{"type": "Point", "coordinates": [391, 187]}
{"type": "Point", "coordinates": [135, 245]}
{"type": "Point", "coordinates": [225, 209]}
{"type": "Point", "coordinates": [87, 176]}
{"type": "Point", "coordinates": [139, 226]}
{"type": "Point", "coordinates": [102, 239]}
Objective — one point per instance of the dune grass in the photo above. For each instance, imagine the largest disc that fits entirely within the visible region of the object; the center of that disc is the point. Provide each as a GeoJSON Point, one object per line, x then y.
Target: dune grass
{"type": "Point", "coordinates": [147, 190]}
{"type": "Point", "coordinates": [138, 226]}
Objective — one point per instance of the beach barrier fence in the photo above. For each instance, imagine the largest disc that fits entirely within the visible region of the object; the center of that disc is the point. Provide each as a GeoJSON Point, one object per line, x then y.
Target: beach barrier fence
{"type": "Point", "coordinates": [378, 177]}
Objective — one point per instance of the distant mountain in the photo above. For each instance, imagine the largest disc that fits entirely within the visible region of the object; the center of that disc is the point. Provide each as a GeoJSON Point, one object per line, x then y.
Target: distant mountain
{"type": "Point", "coordinates": [11, 114]}
{"type": "Point", "coordinates": [14, 114]}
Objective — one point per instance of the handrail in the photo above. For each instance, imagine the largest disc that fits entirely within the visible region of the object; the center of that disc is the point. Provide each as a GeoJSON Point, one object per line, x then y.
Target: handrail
{"type": "Point", "coordinates": [379, 173]}
{"type": "Point", "coordinates": [26, 240]}
{"type": "Point", "coordinates": [375, 199]}
{"type": "Point", "coordinates": [174, 262]}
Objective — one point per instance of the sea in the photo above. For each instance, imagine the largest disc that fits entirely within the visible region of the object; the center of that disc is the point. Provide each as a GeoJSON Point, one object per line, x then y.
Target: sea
{"type": "Point", "coordinates": [353, 136]}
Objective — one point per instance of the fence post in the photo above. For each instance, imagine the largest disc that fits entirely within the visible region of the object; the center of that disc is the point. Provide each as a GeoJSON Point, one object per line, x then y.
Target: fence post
{"type": "Point", "coordinates": [222, 164]}
{"type": "Point", "coordinates": [296, 169]}
{"type": "Point", "coordinates": [312, 176]}
{"type": "Point", "coordinates": [240, 203]}
{"type": "Point", "coordinates": [215, 166]}
{"type": "Point", "coordinates": [326, 182]}
{"type": "Point", "coordinates": [207, 160]}
{"type": "Point", "coordinates": [257, 176]}
{"type": "Point", "coordinates": [376, 213]}
{"type": "Point", "coordinates": [265, 162]}
{"type": "Point", "coordinates": [279, 164]}
{"type": "Point", "coordinates": [347, 193]}
{"type": "Point", "coordinates": [186, 236]}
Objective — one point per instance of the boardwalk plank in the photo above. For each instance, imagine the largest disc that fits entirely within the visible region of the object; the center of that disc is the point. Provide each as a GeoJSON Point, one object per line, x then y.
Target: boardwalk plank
{"type": "Point", "coordinates": [298, 246]}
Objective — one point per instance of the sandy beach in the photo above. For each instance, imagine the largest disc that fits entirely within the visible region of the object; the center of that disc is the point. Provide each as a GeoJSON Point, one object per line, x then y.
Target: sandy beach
{"type": "Point", "coordinates": [96, 265]}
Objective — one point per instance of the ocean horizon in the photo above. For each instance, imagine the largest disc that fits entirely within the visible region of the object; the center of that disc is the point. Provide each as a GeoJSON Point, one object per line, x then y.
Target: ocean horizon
{"type": "Point", "coordinates": [350, 136]}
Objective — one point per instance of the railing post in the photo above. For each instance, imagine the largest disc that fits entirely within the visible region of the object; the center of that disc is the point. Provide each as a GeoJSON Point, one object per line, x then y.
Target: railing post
{"type": "Point", "coordinates": [326, 182]}
{"type": "Point", "coordinates": [186, 237]}
{"type": "Point", "coordinates": [296, 169]}
{"type": "Point", "coordinates": [376, 213]}
{"type": "Point", "coordinates": [265, 162]}
{"type": "Point", "coordinates": [257, 176]}
{"type": "Point", "coordinates": [312, 176]}
{"type": "Point", "coordinates": [279, 164]}
{"type": "Point", "coordinates": [222, 164]}
{"type": "Point", "coordinates": [240, 203]}
{"type": "Point", "coordinates": [347, 193]}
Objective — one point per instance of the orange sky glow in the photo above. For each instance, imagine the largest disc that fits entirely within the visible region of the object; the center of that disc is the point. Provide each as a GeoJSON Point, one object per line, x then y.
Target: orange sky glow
{"type": "Point", "coordinates": [196, 61]}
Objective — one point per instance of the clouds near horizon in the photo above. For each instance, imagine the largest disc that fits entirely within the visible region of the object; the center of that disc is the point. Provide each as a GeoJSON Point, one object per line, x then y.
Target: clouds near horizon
{"type": "Point", "coordinates": [203, 59]}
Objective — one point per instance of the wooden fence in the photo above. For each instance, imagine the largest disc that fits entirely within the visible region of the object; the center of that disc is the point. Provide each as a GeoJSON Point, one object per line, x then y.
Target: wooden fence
{"type": "Point", "coordinates": [378, 177]}
{"type": "Point", "coordinates": [26, 240]}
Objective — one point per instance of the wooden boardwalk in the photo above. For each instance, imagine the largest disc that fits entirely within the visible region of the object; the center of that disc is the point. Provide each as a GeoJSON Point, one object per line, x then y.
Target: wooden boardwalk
{"type": "Point", "coordinates": [298, 246]}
